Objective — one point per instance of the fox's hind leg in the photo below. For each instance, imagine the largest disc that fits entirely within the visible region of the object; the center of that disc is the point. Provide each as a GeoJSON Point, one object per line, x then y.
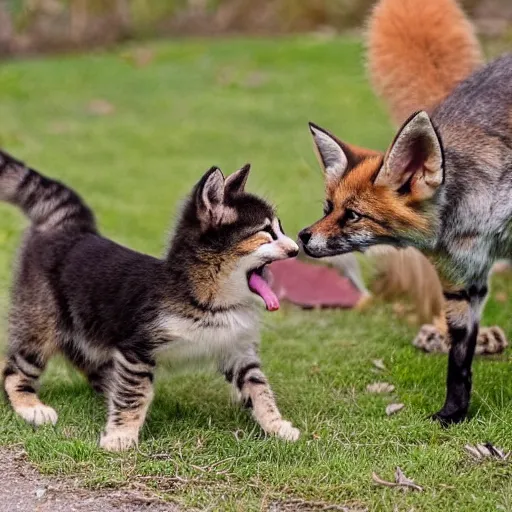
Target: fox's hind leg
{"type": "Point", "coordinates": [244, 372]}
{"type": "Point", "coordinates": [28, 355]}
{"type": "Point", "coordinates": [129, 390]}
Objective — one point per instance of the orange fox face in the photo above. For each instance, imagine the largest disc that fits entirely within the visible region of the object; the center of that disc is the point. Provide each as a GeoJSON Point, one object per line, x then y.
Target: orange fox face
{"type": "Point", "coordinates": [374, 198]}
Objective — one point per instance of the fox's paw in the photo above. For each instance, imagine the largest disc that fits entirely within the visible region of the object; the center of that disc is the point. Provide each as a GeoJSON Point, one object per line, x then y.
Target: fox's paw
{"type": "Point", "coordinates": [39, 414]}
{"type": "Point", "coordinates": [430, 339]}
{"type": "Point", "coordinates": [491, 340]}
{"type": "Point", "coordinates": [118, 441]}
{"type": "Point", "coordinates": [445, 419]}
{"type": "Point", "coordinates": [285, 430]}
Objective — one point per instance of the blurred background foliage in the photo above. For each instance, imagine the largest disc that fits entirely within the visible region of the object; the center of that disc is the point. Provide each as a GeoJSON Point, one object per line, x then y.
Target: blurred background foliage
{"type": "Point", "coordinates": [29, 26]}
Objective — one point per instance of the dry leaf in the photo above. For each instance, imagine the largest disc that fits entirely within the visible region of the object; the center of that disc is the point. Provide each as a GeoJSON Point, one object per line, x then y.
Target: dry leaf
{"type": "Point", "coordinates": [380, 387]}
{"type": "Point", "coordinates": [100, 107]}
{"type": "Point", "coordinates": [486, 451]}
{"type": "Point", "coordinates": [393, 408]}
{"type": "Point", "coordinates": [379, 363]}
{"type": "Point", "coordinates": [400, 481]}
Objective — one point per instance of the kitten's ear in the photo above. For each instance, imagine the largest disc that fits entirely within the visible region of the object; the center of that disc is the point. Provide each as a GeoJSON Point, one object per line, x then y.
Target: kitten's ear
{"type": "Point", "coordinates": [414, 157]}
{"type": "Point", "coordinates": [210, 198]}
{"type": "Point", "coordinates": [235, 183]}
{"type": "Point", "coordinates": [334, 156]}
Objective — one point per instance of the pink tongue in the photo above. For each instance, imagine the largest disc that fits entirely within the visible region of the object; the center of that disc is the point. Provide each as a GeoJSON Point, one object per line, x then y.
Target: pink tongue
{"type": "Point", "coordinates": [258, 285]}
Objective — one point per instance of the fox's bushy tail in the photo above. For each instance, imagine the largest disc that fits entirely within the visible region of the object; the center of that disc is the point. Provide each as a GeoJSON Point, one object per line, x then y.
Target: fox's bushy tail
{"type": "Point", "coordinates": [47, 203]}
{"type": "Point", "coordinates": [418, 51]}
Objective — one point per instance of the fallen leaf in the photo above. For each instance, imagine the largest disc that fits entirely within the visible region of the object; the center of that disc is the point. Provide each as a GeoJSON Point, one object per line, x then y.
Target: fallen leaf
{"type": "Point", "coordinates": [486, 451]}
{"type": "Point", "coordinates": [394, 408]}
{"type": "Point", "coordinates": [380, 387]}
{"type": "Point", "coordinates": [400, 481]}
{"type": "Point", "coordinates": [379, 364]}
{"type": "Point", "coordinates": [100, 107]}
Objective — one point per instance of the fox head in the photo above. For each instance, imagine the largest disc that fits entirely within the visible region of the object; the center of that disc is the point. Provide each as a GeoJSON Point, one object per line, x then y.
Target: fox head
{"type": "Point", "coordinates": [374, 198]}
{"type": "Point", "coordinates": [223, 241]}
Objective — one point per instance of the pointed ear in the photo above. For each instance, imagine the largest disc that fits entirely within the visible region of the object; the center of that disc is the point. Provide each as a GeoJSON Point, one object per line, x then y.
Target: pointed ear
{"type": "Point", "coordinates": [334, 156]}
{"type": "Point", "coordinates": [415, 157]}
{"type": "Point", "coordinates": [210, 198]}
{"type": "Point", "coordinates": [235, 183]}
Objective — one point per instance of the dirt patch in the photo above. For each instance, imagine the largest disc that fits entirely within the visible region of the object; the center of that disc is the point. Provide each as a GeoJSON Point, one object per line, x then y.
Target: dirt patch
{"type": "Point", "coordinates": [23, 489]}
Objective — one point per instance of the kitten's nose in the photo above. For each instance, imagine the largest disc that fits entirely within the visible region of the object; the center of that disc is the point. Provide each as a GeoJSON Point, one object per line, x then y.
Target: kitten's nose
{"type": "Point", "coordinates": [305, 236]}
{"type": "Point", "coordinates": [293, 252]}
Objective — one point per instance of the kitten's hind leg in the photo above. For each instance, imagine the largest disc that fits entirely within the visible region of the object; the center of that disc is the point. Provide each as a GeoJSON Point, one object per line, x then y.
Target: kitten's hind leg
{"type": "Point", "coordinates": [244, 372]}
{"type": "Point", "coordinates": [25, 365]}
{"type": "Point", "coordinates": [129, 389]}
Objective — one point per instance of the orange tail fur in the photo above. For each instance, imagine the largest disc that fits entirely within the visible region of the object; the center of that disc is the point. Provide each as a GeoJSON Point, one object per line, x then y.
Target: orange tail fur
{"type": "Point", "coordinates": [418, 51]}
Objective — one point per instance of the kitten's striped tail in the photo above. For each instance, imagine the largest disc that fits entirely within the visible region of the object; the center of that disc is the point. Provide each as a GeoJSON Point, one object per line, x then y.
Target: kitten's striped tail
{"type": "Point", "coordinates": [47, 203]}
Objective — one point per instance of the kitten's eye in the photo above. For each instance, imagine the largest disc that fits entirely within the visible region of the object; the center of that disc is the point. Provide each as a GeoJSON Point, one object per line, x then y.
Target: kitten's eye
{"type": "Point", "coordinates": [351, 216]}
{"type": "Point", "coordinates": [328, 207]}
{"type": "Point", "coordinates": [270, 231]}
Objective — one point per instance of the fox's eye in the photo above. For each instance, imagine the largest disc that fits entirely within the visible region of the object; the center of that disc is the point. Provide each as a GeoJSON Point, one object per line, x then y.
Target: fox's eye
{"type": "Point", "coordinates": [351, 216]}
{"type": "Point", "coordinates": [270, 231]}
{"type": "Point", "coordinates": [328, 207]}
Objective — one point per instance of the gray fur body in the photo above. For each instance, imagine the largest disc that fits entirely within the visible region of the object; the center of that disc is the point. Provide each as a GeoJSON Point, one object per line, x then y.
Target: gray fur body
{"type": "Point", "coordinates": [475, 127]}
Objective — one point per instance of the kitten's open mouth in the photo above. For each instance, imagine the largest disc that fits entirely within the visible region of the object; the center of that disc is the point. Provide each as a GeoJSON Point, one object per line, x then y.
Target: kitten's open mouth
{"type": "Point", "coordinates": [258, 284]}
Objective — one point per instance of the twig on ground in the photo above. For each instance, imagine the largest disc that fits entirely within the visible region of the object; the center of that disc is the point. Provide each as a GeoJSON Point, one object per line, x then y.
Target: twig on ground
{"type": "Point", "coordinates": [401, 481]}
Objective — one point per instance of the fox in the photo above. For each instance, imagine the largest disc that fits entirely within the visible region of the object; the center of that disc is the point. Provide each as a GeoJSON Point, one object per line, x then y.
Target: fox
{"type": "Point", "coordinates": [442, 187]}
{"type": "Point", "coordinates": [411, 65]}
{"type": "Point", "coordinates": [110, 310]}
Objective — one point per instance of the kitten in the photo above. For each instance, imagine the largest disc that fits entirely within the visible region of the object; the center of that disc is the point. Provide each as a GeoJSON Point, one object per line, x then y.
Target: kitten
{"type": "Point", "coordinates": [109, 309]}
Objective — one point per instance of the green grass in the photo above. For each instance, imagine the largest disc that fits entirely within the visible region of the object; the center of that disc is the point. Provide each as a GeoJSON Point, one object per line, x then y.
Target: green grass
{"type": "Point", "coordinates": [227, 102]}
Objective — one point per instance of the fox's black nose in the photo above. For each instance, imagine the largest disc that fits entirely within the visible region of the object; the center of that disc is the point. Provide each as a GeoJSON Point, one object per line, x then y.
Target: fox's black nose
{"type": "Point", "coordinates": [305, 236]}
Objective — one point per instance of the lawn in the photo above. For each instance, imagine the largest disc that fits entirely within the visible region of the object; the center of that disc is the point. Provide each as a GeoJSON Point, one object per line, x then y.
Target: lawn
{"type": "Point", "coordinates": [132, 130]}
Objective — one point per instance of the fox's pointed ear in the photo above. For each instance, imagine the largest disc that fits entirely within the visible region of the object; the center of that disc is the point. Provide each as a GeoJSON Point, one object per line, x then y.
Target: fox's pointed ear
{"type": "Point", "coordinates": [415, 157]}
{"type": "Point", "coordinates": [235, 183]}
{"type": "Point", "coordinates": [332, 154]}
{"type": "Point", "coordinates": [210, 198]}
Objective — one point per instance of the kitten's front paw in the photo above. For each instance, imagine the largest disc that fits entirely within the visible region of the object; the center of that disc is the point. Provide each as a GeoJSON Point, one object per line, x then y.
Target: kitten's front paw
{"type": "Point", "coordinates": [118, 441]}
{"type": "Point", "coordinates": [430, 339]}
{"type": "Point", "coordinates": [38, 415]}
{"type": "Point", "coordinates": [285, 430]}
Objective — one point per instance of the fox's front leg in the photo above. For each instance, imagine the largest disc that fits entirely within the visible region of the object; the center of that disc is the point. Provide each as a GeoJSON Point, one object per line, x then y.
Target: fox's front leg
{"type": "Point", "coordinates": [463, 308]}
{"type": "Point", "coordinates": [244, 372]}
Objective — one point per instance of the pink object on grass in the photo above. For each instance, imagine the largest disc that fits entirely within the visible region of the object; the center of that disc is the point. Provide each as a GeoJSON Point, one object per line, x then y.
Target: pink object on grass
{"type": "Point", "coordinates": [312, 286]}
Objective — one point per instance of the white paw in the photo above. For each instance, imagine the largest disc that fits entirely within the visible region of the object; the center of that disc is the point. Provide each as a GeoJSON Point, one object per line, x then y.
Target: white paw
{"type": "Point", "coordinates": [118, 441]}
{"type": "Point", "coordinates": [285, 430]}
{"type": "Point", "coordinates": [38, 415]}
